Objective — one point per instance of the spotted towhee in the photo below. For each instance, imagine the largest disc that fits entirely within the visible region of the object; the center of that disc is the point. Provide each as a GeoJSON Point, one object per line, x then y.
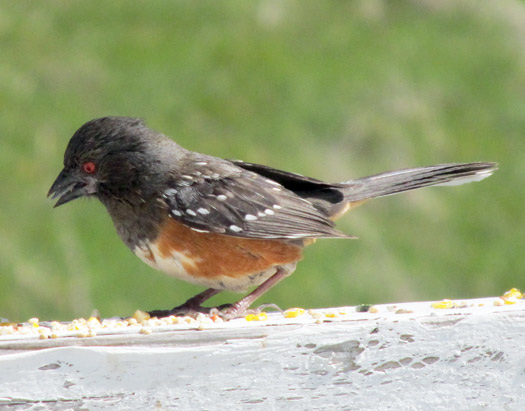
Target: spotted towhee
{"type": "Point", "coordinates": [223, 224]}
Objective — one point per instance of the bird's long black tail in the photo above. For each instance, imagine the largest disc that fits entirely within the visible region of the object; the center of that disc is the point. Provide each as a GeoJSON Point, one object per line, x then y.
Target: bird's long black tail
{"type": "Point", "coordinates": [394, 182]}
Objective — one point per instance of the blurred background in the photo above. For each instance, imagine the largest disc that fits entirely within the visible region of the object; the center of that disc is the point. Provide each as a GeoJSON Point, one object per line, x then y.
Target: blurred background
{"type": "Point", "coordinates": [334, 90]}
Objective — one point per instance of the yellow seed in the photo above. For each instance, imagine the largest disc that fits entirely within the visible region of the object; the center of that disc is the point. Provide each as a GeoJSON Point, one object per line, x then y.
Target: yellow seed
{"type": "Point", "coordinates": [262, 316]}
{"type": "Point", "coordinates": [95, 314]}
{"type": "Point", "coordinates": [93, 323]}
{"type": "Point", "coordinates": [443, 304]}
{"type": "Point", "coordinates": [513, 293]}
{"type": "Point", "coordinates": [510, 300]}
{"type": "Point", "coordinates": [43, 333]}
{"type": "Point", "coordinates": [203, 318]}
{"type": "Point", "coordinates": [404, 311]}
{"type": "Point", "coordinates": [7, 329]}
{"type": "Point", "coordinates": [293, 312]}
{"type": "Point", "coordinates": [173, 319]}
{"type": "Point", "coordinates": [315, 314]}
{"type": "Point", "coordinates": [141, 316]}
{"type": "Point", "coordinates": [154, 322]}
{"type": "Point", "coordinates": [55, 325]}
{"type": "Point", "coordinates": [34, 322]}
{"type": "Point", "coordinates": [374, 309]}
{"type": "Point", "coordinates": [499, 301]}
{"type": "Point", "coordinates": [331, 315]}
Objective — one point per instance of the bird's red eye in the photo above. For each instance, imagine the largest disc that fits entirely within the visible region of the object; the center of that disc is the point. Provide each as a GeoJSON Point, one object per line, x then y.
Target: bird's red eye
{"type": "Point", "coordinates": [89, 167]}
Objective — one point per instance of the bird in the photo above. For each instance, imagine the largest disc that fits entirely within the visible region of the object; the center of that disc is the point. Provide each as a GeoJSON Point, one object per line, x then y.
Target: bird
{"type": "Point", "coordinates": [222, 224]}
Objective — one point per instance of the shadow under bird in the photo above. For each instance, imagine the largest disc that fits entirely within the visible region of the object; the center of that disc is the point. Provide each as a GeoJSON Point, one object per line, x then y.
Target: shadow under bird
{"type": "Point", "coordinates": [223, 224]}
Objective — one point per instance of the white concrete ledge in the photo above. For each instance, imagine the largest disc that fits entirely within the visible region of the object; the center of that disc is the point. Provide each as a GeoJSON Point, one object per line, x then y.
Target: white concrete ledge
{"type": "Point", "coordinates": [408, 356]}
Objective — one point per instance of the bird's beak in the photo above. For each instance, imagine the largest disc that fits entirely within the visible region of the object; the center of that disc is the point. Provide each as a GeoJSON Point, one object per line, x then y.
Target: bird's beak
{"type": "Point", "coordinates": [70, 185]}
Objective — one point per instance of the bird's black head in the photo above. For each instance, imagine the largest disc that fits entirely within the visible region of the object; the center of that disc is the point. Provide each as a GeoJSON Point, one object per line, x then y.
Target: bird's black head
{"type": "Point", "coordinates": [106, 156]}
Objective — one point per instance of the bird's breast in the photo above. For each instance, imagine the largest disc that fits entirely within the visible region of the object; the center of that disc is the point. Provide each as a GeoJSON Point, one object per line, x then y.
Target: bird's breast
{"type": "Point", "coordinates": [215, 260]}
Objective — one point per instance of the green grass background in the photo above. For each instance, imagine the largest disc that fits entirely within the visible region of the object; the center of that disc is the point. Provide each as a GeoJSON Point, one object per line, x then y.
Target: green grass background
{"type": "Point", "coordinates": [331, 89]}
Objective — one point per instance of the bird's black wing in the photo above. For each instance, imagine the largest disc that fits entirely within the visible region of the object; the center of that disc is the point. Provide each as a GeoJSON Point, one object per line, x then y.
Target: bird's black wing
{"type": "Point", "coordinates": [217, 196]}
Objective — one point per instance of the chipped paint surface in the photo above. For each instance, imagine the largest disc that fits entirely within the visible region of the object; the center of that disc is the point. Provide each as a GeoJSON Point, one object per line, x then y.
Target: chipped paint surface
{"type": "Point", "coordinates": [403, 356]}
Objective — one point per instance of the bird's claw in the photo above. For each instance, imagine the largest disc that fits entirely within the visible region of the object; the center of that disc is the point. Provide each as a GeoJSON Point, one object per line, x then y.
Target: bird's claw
{"type": "Point", "coordinates": [225, 311]}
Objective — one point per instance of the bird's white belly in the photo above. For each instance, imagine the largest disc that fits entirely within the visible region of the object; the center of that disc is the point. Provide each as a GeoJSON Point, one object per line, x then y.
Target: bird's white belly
{"type": "Point", "coordinates": [175, 265]}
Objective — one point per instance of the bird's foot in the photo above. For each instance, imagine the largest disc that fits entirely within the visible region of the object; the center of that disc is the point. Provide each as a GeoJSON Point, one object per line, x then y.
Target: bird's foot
{"type": "Point", "coordinates": [225, 311]}
{"type": "Point", "coordinates": [191, 307]}
{"type": "Point", "coordinates": [181, 311]}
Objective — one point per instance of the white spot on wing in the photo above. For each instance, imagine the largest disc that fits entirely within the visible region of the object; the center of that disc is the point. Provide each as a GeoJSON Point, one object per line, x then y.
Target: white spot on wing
{"type": "Point", "coordinates": [176, 212]}
{"type": "Point", "coordinates": [235, 228]}
{"type": "Point", "coordinates": [203, 211]}
{"type": "Point", "coordinates": [261, 214]}
{"type": "Point", "coordinates": [221, 197]}
{"type": "Point", "coordinates": [299, 235]}
{"type": "Point", "coordinates": [275, 183]}
{"type": "Point", "coordinates": [199, 230]}
{"type": "Point", "coordinates": [201, 163]}
{"type": "Point", "coordinates": [191, 212]}
{"type": "Point", "coordinates": [250, 217]}
{"type": "Point", "coordinates": [170, 192]}
{"type": "Point", "coordinates": [277, 206]}
{"type": "Point", "coordinates": [269, 212]}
